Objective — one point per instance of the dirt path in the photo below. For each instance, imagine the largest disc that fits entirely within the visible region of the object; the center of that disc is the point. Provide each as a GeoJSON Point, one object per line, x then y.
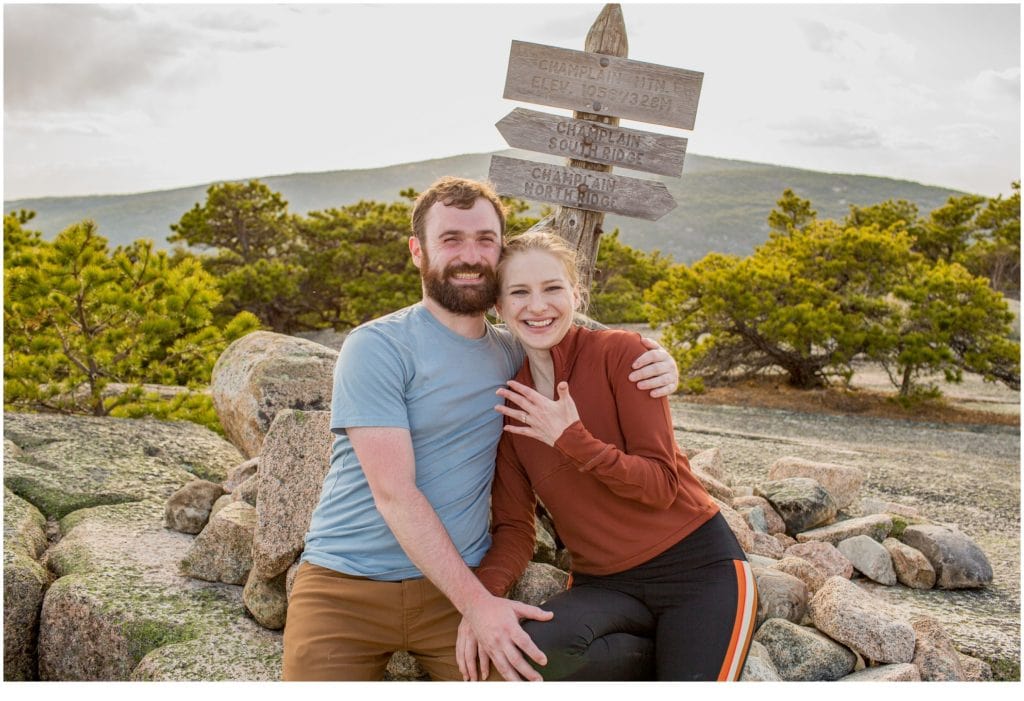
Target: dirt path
{"type": "Point", "coordinates": [967, 475]}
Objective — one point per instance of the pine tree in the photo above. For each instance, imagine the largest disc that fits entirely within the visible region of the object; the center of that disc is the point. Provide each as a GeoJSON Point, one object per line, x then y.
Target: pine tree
{"type": "Point", "coordinates": [78, 318]}
{"type": "Point", "coordinates": [818, 294]}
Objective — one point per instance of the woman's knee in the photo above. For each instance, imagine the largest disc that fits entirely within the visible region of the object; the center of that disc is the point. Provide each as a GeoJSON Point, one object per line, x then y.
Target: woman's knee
{"type": "Point", "coordinates": [585, 613]}
{"type": "Point", "coordinates": [559, 637]}
{"type": "Point", "coordinates": [565, 647]}
{"type": "Point", "coordinates": [595, 634]}
{"type": "Point", "coordinates": [576, 653]}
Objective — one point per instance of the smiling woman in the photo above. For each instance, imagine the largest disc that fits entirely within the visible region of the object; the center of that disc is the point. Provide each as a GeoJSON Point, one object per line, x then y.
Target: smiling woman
{"type": "Point", "coordinates": [661, 588]}
{"type": "Point", "coordinates": [539, 290]}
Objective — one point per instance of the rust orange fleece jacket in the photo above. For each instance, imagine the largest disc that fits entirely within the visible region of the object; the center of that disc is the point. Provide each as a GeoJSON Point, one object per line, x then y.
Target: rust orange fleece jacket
{"type": "Point", "coordinates": [616, 484]}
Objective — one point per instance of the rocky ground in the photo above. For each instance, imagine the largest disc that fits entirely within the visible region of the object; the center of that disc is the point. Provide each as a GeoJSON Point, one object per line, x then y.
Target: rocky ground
{"type": "Point", "coordinates": [102, 485]}
{"type": "Point", "coordinates": [968, 476]}
{"type": "Point", "coordinates": [963, 475]}
{"type": "Point", "coordinates": [116, 607]}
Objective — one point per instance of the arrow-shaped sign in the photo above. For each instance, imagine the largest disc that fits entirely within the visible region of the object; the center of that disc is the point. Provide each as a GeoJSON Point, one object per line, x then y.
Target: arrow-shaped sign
{"type": "Point", "coordinates": [593, 141]}
{"type": "Point", "coordinates": [580, 188]}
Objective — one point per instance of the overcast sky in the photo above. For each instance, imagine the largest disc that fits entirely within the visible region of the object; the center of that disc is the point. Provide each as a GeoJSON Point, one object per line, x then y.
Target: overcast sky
{"type": "Point", "coordinates": [131, 98]}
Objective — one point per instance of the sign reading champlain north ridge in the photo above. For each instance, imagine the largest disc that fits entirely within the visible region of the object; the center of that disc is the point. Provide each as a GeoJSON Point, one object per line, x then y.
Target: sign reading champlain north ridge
{"type": "Point", "coordinates": [603, 86]}
{"type": "Point", "coordinates": [581, 188]}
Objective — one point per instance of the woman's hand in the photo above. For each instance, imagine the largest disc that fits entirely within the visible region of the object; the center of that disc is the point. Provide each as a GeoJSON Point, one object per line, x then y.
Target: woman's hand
{"type": "Point", "coordinates": [545, 419]}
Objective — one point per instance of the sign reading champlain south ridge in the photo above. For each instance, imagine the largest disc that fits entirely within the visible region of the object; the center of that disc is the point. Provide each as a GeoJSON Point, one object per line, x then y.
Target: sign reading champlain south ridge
{"type": "Point", "coordinates": [600, 85]}
{"type": "Point", "coordinates": [593, 141]}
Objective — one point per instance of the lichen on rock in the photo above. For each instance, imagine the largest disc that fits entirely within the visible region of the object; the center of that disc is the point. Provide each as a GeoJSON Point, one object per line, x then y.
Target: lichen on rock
{"type": "Point", "coordinates": [25, 581]}
{"type": "Point", "coordinates": [120, 585]}
{"type": "Point", "coordinates": [66, 463]}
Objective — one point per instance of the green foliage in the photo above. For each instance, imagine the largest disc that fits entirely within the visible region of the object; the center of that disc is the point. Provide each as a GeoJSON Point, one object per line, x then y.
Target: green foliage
{"type": "Point", "coordinates": [78, 318]}
{"type": "Point", "coordinates": [949, 229]}
{"type": "Point", "coordinates": [898, 214]}
{"type": "Point", "coordinates": [885, 284]}
{"type": "Point", "coordinates": [722, 203]}
{"type": "Point", "coordinates": [355, 264]}
{"type": "Point", "coordinates": [253, 238]}
{"type": "Point", "coordinates": [248, 220]}
{"type": "Point", "coordinates": [996, 251]}
{"type": "Point", "coordinates": [818, 293]}
{"type": "Point", "coordinates": [621, 276]}
{"type": "Point", "coordinates": [267, 288]}
{"type": "Point", "coordinates": [193, 406]}
{"type": "Point", "coordinates": [982, 235]}
{"type": "Point", "coordinates": [806, 302]}
{"type": "Point", "coordinates": [144, 635]}
{"type": "Point", "coordinates": [946, 320]}
{"type": "Point", "coordinates": [791, 212]}
{"type": "Point", "coordinates": [1003, 670]}
{"type": "Point", "coordinates": [517, 219]}
{"type": "Point", "coordinates": [899, 525]}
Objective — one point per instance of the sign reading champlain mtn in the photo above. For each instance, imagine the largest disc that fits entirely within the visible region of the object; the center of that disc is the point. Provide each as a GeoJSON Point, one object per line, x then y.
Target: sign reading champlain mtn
{"type": "Point", "coordinates": [606, 86]}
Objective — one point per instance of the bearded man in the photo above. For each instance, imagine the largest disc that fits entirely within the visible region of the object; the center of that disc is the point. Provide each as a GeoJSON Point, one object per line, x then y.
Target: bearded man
{"type": "Point", "coordinates": [403, 512]}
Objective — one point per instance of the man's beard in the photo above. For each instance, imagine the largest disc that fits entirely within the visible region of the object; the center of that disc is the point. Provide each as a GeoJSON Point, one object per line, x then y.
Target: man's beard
{"type": "Point", "coordinates": [464, 300]}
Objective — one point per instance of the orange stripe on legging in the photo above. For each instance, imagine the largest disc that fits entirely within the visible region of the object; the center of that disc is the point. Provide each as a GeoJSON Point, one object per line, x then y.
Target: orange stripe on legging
{"type": "Point", "coordinates": [743, 628]}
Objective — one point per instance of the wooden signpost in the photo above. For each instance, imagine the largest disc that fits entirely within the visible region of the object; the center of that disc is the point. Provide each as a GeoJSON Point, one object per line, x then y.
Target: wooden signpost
{"type": "Point", "coordinates": [601, 85]}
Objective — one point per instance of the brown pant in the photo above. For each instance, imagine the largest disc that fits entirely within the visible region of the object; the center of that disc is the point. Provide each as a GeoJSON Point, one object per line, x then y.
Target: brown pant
{"type": "Point", "coordinates": [342, 627]}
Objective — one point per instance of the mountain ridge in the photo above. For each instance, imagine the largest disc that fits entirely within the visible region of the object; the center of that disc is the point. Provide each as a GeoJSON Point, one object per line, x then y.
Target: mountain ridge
{"type": "Point", "coordinates": [723, 204]}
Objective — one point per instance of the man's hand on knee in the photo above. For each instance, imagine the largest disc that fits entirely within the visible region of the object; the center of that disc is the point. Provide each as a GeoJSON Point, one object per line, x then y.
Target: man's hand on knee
{"type": "Point", "coordinates": [495, 624]}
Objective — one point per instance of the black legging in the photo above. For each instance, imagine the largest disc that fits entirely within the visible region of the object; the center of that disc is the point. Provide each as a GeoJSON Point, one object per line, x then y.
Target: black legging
{"type": "Point", "coordinates": [677, 617]}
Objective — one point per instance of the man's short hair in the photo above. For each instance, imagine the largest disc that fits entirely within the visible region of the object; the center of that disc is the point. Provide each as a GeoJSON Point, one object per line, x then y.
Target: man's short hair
{"type": "Point", "coordinates": [453, 192]}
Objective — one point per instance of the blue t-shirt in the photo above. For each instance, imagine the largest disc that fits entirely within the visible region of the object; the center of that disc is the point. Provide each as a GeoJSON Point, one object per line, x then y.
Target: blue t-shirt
{"type": "Point", "coordinates": [408, 370]}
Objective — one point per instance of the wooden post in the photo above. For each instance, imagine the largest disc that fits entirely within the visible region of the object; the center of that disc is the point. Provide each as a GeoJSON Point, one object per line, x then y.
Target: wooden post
{"type": "Point", "coordinates": [580, 227]}
{"type": "Point", "coordinates": [597, 83]}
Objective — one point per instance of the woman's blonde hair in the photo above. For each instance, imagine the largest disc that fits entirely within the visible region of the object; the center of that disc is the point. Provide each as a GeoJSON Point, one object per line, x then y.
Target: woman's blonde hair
{"type": "Point", "coordinates": [549, 242]}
